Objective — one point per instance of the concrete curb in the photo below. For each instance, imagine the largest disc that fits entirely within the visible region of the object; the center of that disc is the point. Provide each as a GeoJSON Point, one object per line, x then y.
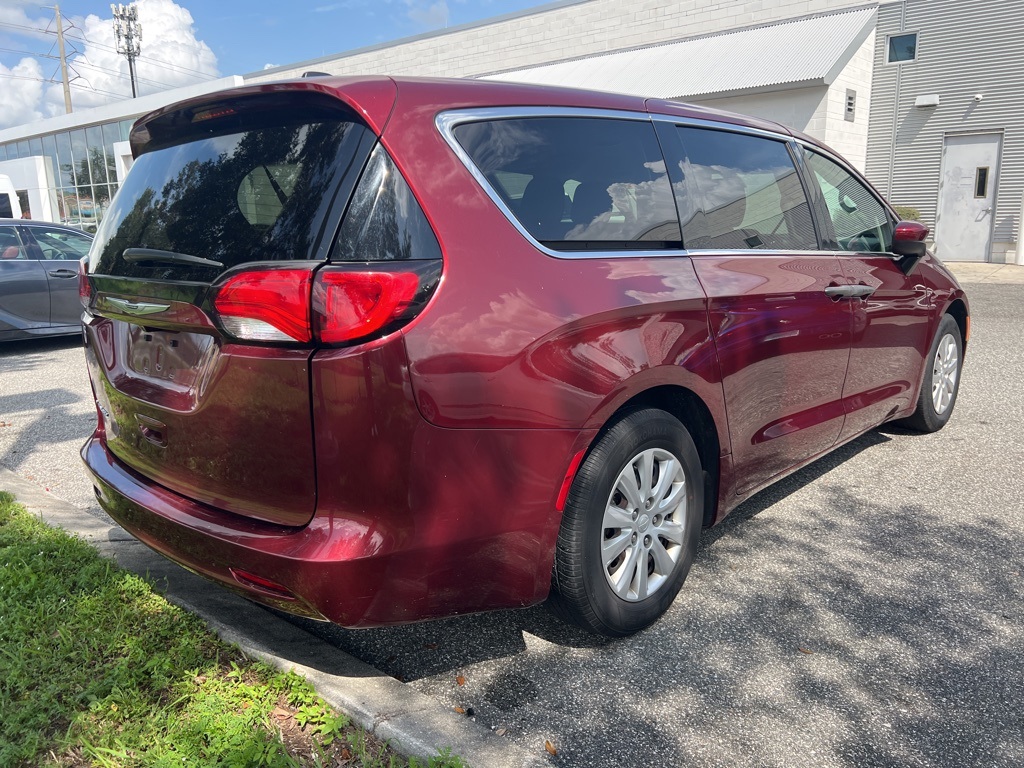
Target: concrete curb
{"type": "Point", "coordinates": [413, 723]}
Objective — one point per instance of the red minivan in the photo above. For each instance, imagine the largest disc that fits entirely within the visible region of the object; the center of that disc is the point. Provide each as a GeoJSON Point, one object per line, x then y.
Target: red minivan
{"type": "Point", "coordinates": [376, 350]}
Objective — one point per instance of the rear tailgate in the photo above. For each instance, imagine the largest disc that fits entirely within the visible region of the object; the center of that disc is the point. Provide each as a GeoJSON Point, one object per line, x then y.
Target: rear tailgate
{"type": "Point", "coordinates": [219, 183]}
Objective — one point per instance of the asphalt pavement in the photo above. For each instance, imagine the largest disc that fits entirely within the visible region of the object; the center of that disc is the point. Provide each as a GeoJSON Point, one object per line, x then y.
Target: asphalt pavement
{"type": "Point", "coordinates": [866, 611]}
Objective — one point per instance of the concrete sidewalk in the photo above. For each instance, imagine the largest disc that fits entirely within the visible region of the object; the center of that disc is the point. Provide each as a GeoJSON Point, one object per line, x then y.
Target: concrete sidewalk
{"type": "Point", "coordinates": [983, 272]}
{"type": "Point", "coordinates": [413, 723]}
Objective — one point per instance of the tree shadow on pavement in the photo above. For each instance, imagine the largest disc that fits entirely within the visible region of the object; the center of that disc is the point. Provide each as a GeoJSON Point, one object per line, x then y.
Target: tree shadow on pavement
{"type": "Point", "coordinates": [28, 354]}
{"type": "Point", "coordinates": [888, 635]}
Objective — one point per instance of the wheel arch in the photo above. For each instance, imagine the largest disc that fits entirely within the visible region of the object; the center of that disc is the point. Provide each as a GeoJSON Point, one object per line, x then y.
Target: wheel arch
{"type": "Point", "coordinates": [957, 309]}
{"type": "Point", "coordinates": [687, 406]}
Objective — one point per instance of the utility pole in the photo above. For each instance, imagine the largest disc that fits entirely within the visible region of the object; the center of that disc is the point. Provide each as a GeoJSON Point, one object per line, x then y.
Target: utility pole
{"type": "Point", "coordinates": [63, 60]}
{"type": "Point", "coordinates": [129, 36]}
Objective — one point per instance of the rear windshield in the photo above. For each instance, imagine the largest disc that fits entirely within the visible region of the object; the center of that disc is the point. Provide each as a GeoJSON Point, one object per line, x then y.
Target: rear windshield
{"type": "Point", "coordinates": [255, 195]}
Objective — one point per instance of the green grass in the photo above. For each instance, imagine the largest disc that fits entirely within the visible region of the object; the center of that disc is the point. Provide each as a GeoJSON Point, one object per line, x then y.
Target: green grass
{"type": "Point", "coordinates": [98, 669]}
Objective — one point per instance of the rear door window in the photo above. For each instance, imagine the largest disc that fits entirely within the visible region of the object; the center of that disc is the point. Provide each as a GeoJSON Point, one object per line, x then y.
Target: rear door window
{"type": "Point", "coordinates": [751, 193]}
{"type": "Point", "coordinates": [578, 182]}
{"type": "Point", "coordinates": [261, 194]}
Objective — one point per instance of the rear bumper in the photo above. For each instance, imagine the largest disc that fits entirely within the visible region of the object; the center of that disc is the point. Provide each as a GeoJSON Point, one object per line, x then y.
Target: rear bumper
{"type": "Point", "coordinates": [457, 549]}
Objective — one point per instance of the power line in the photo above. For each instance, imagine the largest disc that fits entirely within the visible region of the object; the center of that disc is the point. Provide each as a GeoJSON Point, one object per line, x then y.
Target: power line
{"type": "Point", "coordinates": [84, 62]}
{"type": "Point", "coordinates": [53, 80]}
{"type": "Point", "coordinates": [169, 65]}
{"type": "Point", "coordinates": [30, 53]}
{"type": "Point", "coordinates": [161, 62]}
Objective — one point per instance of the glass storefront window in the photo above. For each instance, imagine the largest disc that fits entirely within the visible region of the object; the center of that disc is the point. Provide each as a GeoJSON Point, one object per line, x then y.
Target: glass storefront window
{"type": "Point", "coordinates": [65, 162]}
{"type": "Point", "coordinates": [111, 135]}
{"type": "Point", "coordinates": [97, 157]}
{"type": "Point", "coordinates": [80, 158]}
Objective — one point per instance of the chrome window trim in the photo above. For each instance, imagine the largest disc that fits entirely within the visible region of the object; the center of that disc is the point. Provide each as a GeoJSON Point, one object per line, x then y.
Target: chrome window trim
{"type": "Point", "coordinates": [697, 122]}
{"type": "Point", "coordinates": [774, 252]}
{"type": "Point", "coordinates": [447, 121]}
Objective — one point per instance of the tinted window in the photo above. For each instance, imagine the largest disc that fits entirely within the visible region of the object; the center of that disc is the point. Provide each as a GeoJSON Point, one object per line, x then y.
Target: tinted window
{"type": "Point", "coordinates": [751, 193]}
{"type": "Point", "coordinates": [858, 218]}
{"type": "Point", "coordinates": [578, 182]}
{"type": "Point", "coordinates": [6, 211]}
{"type": "Point", "coordinates": [384, 222]}
{"type": "Point", "coordinates": [255, 195]}
{"type": "Point", "coordinates": [60, 244]}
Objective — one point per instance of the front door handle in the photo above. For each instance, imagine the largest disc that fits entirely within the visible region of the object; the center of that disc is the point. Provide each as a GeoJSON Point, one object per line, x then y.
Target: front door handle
{"type": "Point", "coordinates": [62, 273]}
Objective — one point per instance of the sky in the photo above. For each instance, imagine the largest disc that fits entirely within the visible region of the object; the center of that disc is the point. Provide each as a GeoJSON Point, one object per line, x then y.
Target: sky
{"type": "Point", "coordinates": [187, 41]}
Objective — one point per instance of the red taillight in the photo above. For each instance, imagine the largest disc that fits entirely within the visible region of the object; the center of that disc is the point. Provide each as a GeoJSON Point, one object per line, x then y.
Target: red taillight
{"type": "Point", "coordinates": [266, 305]}
{"type": "Point", "coordinates": [338, 305]}
{"type": "Point", "coordinates": [84, 286]}
{"type": "Point", "coordinates": [351, 305]}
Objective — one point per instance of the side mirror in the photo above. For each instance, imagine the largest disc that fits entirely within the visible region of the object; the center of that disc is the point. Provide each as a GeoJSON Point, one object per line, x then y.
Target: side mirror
{"type": "Point", "coordinates": [908, 239]}
{"type": "Point", "coordinates": [908, 244]}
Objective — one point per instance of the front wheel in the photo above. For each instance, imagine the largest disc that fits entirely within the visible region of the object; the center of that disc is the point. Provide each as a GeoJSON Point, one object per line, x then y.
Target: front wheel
{"type": "Point", "coordinates": [630, 527]}
{"type": "Point", "coordinates": [941, 379]}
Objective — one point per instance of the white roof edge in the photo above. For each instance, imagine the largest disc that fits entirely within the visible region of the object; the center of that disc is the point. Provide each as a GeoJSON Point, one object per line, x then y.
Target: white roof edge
{"type": "Point", "coordinates": [851, 50]}
{"type": "Point", "coordinates": [654, 69]}
{"type": "Point", "coordinates": [118, 110]}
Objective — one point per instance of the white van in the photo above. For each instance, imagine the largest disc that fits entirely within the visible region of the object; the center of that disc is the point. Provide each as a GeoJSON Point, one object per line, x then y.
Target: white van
{"type": "Point", "coordinates": [10, 208]}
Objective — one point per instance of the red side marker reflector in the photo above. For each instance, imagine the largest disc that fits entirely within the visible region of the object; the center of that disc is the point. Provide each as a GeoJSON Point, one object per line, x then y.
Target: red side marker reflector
{"type": "Point", "coordinates": [261, 584]}
{"type": "Point", "coordinates": [570, 473]}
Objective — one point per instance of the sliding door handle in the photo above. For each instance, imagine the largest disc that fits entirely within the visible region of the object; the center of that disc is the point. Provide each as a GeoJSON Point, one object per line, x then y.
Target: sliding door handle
{"type": "Point", "coordinates": [849, 291]}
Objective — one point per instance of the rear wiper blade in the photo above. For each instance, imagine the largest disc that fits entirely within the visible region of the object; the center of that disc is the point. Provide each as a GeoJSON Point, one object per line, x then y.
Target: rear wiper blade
{"type": "Point", "coordinates": [167, 257]}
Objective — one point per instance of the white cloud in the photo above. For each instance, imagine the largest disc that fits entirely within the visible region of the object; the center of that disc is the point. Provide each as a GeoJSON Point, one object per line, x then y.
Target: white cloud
{"type": "Point", "coordinates": [21, 94]}
{"type": "Point", "coordinates": [430, 16]}
{"type": "Point", "coordinates": [170, 56]}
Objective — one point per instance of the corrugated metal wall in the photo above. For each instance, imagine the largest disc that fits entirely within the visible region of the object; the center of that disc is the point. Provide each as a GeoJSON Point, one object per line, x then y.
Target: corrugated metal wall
{"type": "Point", "coordinates": [965, 47]}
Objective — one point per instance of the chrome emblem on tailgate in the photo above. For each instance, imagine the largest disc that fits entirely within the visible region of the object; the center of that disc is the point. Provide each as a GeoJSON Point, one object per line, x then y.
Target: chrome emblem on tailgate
{"type": "Point", "coordinates": [136, 307]}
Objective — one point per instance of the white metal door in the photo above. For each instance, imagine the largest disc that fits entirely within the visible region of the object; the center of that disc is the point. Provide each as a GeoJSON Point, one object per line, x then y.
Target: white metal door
{"type": "Point", "coordinates": [967, 197]}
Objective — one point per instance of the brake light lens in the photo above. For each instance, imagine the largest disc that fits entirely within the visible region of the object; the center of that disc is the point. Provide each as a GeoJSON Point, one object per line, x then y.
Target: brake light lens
{"type": "Point", "coordinates": [334, 305]}
{"type": "Point", "coordinates": [84, 286]}
{"type": "Point", "coordinates": [266, 305]}
{"type": "Point", "coordinates": [351, 305]}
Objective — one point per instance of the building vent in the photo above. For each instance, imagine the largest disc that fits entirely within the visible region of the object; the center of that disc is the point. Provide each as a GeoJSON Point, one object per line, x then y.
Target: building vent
{"type": "Point", "coordinates": [851, 105]}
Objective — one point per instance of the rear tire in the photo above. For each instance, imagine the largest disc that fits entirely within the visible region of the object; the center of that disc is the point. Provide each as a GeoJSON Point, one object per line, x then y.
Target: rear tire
{"type": "Point", "coordinates": [630, 527]}
{"type": "Point", "coordinates": [941, 379]}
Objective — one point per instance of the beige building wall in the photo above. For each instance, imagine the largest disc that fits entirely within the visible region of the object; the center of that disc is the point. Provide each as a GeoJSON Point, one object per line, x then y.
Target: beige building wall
{"type": "Point", "coordinates": [555, 33]}
{"type": "Point", "coordinates": [850, 139]}
{"type": "Point", "coordinates": [819, 111]}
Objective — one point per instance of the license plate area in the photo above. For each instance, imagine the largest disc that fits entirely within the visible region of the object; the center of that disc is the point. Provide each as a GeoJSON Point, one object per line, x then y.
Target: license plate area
{"type": "Point", "coordinates": [171, 357]}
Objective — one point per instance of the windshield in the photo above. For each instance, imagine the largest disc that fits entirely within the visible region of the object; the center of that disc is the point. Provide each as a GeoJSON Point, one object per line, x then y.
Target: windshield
{"type": "Point", "coordinates": [255, 195]}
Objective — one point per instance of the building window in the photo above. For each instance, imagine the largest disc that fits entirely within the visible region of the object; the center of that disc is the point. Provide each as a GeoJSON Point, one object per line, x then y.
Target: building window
{"type": "Point", "coordinates": [981, 182]}
{"type": "Point", "coordinates": [902, 48]}
{"type": "Point", "coordinates": [850, 115]}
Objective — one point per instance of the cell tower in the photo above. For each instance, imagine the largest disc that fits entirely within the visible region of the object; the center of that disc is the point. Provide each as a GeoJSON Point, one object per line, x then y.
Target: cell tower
{"type": "Point", "coordinates": [129, 35]}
